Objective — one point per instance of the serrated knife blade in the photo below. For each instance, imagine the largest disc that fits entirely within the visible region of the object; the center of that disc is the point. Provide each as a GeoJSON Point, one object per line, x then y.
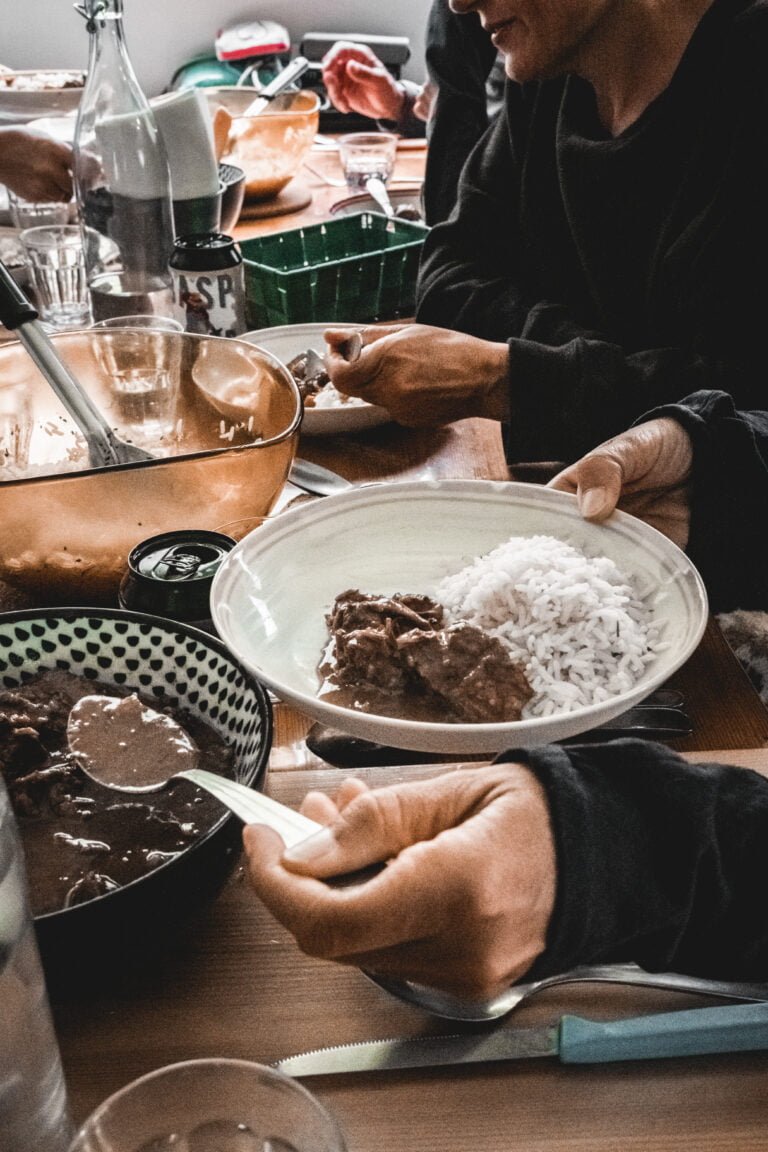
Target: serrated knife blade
{"type": "Point", "coordinates": [696, 1032]}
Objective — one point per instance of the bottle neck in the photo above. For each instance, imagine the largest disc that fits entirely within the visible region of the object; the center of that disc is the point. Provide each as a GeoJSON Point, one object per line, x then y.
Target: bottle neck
{"type": "Point", "coordinates": [110, 71]}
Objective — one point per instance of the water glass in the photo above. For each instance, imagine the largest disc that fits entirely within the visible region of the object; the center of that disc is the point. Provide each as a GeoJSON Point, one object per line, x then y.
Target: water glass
{"type": "Point", "coordinates": [15, 430]}
{"type": "Point", "coordinates": [56, 258]}
{"type": "Point", "coordinates": [211, 1106]}
{"type": "Point", "coordinates": [143, 320]}
{"type": "Point", "coordinates": [33, 1102]}
{"type": "Point", "coordinates": [143, 366]}
{"type": "Point", "coordinates": [32, 214]}
{"type": "Point", "coordinates": [367, 154]}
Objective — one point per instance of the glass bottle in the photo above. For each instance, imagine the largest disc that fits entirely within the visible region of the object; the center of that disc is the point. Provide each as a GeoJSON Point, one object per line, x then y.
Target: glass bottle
{"type": "Point", "coordinates": [33, 1102]}
{"type": "Point", "coordinates": [122, 181]}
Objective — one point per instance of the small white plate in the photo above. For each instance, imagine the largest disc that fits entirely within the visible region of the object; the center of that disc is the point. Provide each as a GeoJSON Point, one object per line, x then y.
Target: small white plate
{"type": "Point", "coordinates": [289, 340]}
{"type": "Point", "coordinates": [271, 595]}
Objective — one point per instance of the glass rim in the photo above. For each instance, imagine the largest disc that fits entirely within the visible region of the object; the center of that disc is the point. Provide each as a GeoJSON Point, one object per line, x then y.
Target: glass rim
{"type": "Point", "coordinates": [273, 1075]}
{"type": "Point", "coordinates": [367, 138]}
{"type": "Point", "coordinates": [33, 235]}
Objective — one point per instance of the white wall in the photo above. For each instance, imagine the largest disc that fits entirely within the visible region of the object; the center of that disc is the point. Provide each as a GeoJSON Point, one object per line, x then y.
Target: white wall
{"type": "Point", "coordinates": [162, 34]}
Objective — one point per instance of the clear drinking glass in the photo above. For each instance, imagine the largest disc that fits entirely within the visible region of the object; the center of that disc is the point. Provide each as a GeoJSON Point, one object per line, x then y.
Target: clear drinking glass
{"type": "Point", "coordinates": [33, 1101]}
{"type": "Point", "coordinates": [57, 261]}
{"type": "Point", "coordinates": [367, 154]}
{"type": "Point", "coordinates": [211, 1106]}
{"type": "Point", "coordinates": [143, 365]}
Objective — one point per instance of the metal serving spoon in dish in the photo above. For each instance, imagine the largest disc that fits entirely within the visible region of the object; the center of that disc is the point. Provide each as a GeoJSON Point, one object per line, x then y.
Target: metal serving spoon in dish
{"type": "Point", "coordinates": [104, 447]}
{"type": "Point", "coordinates": [122, 744]}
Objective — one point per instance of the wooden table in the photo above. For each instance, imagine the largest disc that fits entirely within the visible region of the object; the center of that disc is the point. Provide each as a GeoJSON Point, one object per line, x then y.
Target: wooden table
{"type": "Point", "coordinates": [234, 984]}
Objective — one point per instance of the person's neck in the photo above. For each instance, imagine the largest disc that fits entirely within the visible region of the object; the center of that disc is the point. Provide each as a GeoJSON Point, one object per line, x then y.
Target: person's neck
{"type": "Point", "coordinates": [634, 55]}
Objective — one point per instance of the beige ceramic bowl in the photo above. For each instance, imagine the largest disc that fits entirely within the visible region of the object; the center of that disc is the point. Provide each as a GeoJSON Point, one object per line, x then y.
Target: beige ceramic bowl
{"type": "Point", "coordinates": [271, 146]}
{"type": "Point", "coordinates": [65, 536]}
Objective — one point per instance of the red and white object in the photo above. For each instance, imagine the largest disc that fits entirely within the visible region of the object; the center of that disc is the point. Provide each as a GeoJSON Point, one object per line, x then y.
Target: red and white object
{"type": "Point", "coordinates": [257, 38]}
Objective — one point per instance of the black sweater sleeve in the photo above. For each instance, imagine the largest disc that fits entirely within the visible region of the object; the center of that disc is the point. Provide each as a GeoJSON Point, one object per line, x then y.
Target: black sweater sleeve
{"type": "Point", "coordinates": [728, 539]}
{"type": "Point", "coordinates": [659, 862]}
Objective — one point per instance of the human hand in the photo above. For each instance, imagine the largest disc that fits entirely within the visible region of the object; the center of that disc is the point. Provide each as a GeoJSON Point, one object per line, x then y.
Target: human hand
{"type": "Point", "coordinates": [644, 470]}
{"type": "Point", "coordinates": [465, 899]}
{"type": "Point", "coordinates": [35, 167]}
{"type": "Point", "coordinates": [423, 376]}
{"type": "Point", "coordinates": [357, 81]}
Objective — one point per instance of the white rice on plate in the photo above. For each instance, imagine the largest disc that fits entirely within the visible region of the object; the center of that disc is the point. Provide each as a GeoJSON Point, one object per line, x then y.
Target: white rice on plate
{"type": "Point", "coordinates": [576, 623]}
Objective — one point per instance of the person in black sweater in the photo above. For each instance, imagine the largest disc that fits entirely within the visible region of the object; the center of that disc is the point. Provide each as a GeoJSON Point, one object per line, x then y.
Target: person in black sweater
{"type": "Point", "coordinates": [559, 856]}
{"type": "Point", "coordinates": [608, 249]}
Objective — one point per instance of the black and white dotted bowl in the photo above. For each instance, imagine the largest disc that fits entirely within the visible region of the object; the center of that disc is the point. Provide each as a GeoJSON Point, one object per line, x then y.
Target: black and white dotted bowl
{"type": "Point", "coordinates": [177, 665]}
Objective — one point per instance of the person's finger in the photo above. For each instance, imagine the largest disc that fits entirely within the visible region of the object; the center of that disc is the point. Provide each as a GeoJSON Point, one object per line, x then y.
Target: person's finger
{"type": "Point", "coordinates": [350, 789]}
{"type": "Point", "coordinates": [364, 73]}
{"type": "Point", "coordinates": [334, 88]}
{"type": "Point", "coordinates": [317, 806]}
{"type": "Point", "coordinates": [397, 905]}
{"type": "Point", "coordinates": [597, 481]}
{"type": "Point", "coordinates": [374, 826]}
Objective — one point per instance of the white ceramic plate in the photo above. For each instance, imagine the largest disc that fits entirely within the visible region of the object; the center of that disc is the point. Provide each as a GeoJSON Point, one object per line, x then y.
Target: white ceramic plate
{"type": "Point", "coordinates": [288, 341]}
{"type": "Point", "coordinates": [270, 596]}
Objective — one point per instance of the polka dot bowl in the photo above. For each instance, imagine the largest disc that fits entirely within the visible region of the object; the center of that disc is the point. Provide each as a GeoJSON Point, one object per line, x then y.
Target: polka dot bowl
{"type": "Point", "coordinates": [172, 664]}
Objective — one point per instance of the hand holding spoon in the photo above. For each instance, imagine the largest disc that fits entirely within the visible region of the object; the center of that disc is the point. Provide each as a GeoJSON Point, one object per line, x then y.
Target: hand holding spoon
{"type": "Point", "coordinates": [125, 745]}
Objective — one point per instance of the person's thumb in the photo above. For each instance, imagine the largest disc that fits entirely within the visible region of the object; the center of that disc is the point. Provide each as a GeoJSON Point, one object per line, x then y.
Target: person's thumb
{"type": "Point", "coordinates": [598, 486]}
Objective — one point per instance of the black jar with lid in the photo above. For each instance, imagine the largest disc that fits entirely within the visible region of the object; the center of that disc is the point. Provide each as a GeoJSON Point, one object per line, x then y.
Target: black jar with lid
{"type": "Point", "coordinates": [208, 284]}
{"type": "Point", "coordinates": [171, 575]}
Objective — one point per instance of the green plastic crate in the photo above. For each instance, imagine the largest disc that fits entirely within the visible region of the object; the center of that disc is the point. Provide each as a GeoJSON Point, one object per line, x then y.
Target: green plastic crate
{"type": "Point", "coordinates": [355, 268]}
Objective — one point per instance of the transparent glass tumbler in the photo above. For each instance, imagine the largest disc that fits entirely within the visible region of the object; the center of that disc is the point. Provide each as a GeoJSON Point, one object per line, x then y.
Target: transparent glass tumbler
{"type": "Point", "coordinates": [211, 1106]}
{"type": "Point", "coordinates": [57, 261]}
{"type": "Point", "coordinates": [367, 154]}
{"type": "Point", "coordinates": [33, 1102]}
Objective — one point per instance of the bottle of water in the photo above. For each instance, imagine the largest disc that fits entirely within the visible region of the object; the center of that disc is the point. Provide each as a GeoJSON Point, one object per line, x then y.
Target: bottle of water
{"type": "Point", "coordinates": [33, 1103]}
{"type": "Point", "coordinates": [122, 181]}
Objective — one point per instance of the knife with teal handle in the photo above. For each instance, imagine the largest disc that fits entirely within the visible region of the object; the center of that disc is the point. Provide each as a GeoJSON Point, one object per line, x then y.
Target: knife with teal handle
{"type": "Point", "coordinates": [574, 1040]}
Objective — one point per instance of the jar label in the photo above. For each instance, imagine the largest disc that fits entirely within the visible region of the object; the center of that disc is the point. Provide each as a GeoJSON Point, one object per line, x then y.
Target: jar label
{"type": "Point", "coordinates": [210, 303]}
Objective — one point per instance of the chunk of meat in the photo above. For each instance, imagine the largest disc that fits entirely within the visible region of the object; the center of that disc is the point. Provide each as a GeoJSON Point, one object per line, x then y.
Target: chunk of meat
{"type": "Point", "coordinates": [397, 646]}
{"type": "Point", "coordinates": [469, 669]}
{"type": "Point", "coordinates": [354, 609]}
